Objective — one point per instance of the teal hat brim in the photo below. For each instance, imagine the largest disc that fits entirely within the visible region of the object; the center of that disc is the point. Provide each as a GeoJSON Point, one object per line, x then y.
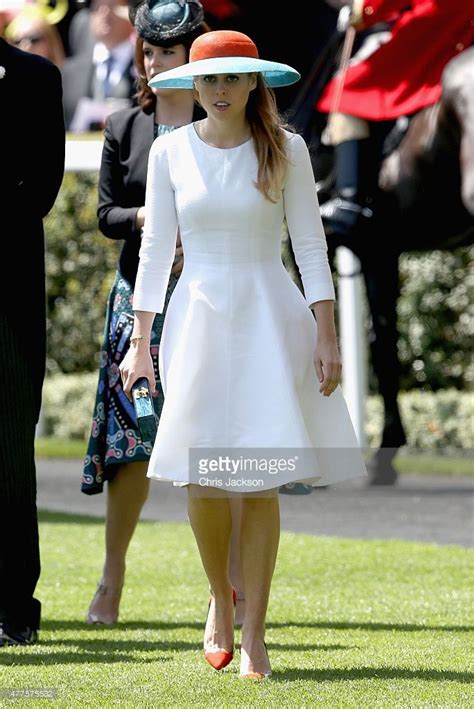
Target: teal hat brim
{"type": "Point", "coordinates": [274, 73]}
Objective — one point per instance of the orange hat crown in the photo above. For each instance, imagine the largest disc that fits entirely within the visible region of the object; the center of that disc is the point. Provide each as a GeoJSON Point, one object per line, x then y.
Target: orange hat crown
{"type": "Point", "coordinates": [222, 43]}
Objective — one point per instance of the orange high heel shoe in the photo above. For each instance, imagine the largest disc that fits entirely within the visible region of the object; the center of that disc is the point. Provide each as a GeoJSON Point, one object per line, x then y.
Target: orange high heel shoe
{"type": "Point", "coordinates": [217, 657]}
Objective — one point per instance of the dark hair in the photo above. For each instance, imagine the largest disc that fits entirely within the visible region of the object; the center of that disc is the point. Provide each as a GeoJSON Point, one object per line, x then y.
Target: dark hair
{"type": "Point", "coordinates": [145, 97]}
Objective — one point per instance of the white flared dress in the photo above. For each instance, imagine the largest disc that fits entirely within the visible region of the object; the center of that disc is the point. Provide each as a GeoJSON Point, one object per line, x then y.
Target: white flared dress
{"type": "Point", "coordinates": [236, 355]}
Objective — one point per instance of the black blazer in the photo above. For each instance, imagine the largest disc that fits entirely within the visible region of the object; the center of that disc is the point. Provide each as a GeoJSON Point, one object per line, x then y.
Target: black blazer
{"type": "Point", "coordinates": [32, 128]}
{"type": "Point", "coordinates": [122, 181]}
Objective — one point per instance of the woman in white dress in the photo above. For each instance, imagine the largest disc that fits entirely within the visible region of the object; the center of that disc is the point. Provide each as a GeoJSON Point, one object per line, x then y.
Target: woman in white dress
{"type": "Point", "coordinates": [250, 374]}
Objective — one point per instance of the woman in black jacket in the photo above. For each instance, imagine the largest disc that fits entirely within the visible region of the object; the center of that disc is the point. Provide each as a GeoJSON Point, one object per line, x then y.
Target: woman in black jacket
{"type": "Point", "coordinates": [115, 452]}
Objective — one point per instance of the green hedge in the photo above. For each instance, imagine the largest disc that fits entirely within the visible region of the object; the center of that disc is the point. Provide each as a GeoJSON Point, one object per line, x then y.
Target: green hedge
{"type": "Point", "coordinates": [435, 322]}
{"type": "Point", "coordinates": [68, 400]}
{"type": "Point", "coordinates": [432, 420]}
{"type": "Point", "coordinates": [80, 267]}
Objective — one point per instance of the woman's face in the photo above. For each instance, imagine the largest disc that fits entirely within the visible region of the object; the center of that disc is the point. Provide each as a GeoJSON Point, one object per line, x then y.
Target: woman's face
{"type": "Point", "coordinates": [225, 95]}
{"type": "Point", "coordinates": [30, 36]}
{"type": "Point", "coordinates": [158, 59]}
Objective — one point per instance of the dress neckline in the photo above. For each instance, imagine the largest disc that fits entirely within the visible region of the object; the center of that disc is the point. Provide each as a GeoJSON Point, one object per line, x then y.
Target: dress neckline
{"type": "Point", "coordinates": [213, 147]}
{"type": "Point", "coordinates": [161, 129]}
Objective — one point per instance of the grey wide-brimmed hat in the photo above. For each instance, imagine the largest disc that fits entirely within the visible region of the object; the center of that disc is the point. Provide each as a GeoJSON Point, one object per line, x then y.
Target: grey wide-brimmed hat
{"type": "Point", "coordinates": [164, 20]}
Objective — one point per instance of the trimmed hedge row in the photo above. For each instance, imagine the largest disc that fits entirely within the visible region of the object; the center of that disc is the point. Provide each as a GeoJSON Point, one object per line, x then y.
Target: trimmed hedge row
{"type": "Point", "coordinates": [435, 318]}
{"type": "Point", "coordinates": [432, 420]}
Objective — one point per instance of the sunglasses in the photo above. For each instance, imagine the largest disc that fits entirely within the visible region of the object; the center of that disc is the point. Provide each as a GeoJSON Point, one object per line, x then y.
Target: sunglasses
{"type": "Point", "coordinates": [32, 39]}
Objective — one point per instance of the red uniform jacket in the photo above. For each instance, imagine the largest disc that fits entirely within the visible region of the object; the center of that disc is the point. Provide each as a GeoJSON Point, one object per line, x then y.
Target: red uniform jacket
{"type": "Point", "coordinates": [403, 75]}
{"type": "Point", "coordinates": [219, 9]}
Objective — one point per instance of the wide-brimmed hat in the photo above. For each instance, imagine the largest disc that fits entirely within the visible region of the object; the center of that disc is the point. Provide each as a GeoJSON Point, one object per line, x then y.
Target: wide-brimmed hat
{"type": "Point", "coordinates": [224, 52]}
{"type": "Point", "coordinates": [160, 21]}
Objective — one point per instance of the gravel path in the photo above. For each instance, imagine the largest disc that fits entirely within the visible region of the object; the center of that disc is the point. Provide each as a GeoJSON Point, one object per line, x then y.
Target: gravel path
{"type": "Point", "coordinates": [437, 509]}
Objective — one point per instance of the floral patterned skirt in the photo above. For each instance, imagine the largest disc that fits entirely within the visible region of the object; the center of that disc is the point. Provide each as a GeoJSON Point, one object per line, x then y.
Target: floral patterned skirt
{"type": "Point", "coordinates": [114, 438]}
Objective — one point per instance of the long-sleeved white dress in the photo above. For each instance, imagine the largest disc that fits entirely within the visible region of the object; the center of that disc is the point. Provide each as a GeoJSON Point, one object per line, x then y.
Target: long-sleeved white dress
{"type": "Point", "coordinates": [236, 356]}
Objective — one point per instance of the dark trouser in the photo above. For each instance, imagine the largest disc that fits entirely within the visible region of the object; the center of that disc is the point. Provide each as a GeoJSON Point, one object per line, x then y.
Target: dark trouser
{"type": "Point", "coordinates": [376, 243]}
{"type": "Point", "coordinates": [19, 544]}
{"type": "Point", "coordinates": [358, 163]}
{"type": "Point", "coordinates": [382, 285]}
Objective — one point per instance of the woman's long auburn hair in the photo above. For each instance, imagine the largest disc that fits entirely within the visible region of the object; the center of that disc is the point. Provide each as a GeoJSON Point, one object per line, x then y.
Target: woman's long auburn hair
{"type": "Point", "coordinates": [269, 140]}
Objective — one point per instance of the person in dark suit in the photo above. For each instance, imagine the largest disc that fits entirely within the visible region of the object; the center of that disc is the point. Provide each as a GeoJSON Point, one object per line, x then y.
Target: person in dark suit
{"type": "Point", "coordinates": [31, 175]}
{"type": "Point", "coordinates": [102, 72]}
{"type": "Point", "coordinates": [115, 452]}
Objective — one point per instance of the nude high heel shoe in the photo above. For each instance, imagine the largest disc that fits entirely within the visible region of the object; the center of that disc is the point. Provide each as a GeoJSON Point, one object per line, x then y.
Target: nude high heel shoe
{"type": "Point", "coordinates": [258, 675]}
{"type": "Point", "coordinates": [94, 617]}
{"type": "Point", "coordinates": [217, 657]}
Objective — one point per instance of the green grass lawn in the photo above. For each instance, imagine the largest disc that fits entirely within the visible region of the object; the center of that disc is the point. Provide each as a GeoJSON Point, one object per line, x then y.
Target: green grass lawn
{"type": "Point", "coordinates": [350, 624]}
{"type": "Point", "coordinates": [428, 464]}
{"type": "Point", "coordinates": [60, 448]}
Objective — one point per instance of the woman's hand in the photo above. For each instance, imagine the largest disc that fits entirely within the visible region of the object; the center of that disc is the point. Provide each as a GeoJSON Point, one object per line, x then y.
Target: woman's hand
{"type": "Point", "coordinates": [137, 363]}
{"type": "Point", "coordinates": [140, 218]}
{"type": "Point", "coordinates": [328, 366]}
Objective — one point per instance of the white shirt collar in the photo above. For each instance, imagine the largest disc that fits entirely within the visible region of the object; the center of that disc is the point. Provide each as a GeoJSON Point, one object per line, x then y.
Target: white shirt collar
{"type": "Point", "coordinates": [122, 53]}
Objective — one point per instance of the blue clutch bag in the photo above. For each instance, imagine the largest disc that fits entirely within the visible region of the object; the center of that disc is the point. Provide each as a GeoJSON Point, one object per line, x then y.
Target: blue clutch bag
{"type": "Point", "coordinates": [144, 410]}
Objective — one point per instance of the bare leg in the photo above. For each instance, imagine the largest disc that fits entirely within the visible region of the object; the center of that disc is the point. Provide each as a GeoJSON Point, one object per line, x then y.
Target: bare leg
{"type": "Point", "coordinates": [234, 560]}
{"type": "Point", "coordinates": [126, 495]}
{"type": "Point", "coordinates": [211, 522]}
{"type": "Point", "coordinates": [259, 546]}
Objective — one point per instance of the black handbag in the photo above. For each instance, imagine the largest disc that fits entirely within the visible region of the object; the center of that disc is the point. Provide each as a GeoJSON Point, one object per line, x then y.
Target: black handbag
{"type": "Point", "coordinates": [144, 410]}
